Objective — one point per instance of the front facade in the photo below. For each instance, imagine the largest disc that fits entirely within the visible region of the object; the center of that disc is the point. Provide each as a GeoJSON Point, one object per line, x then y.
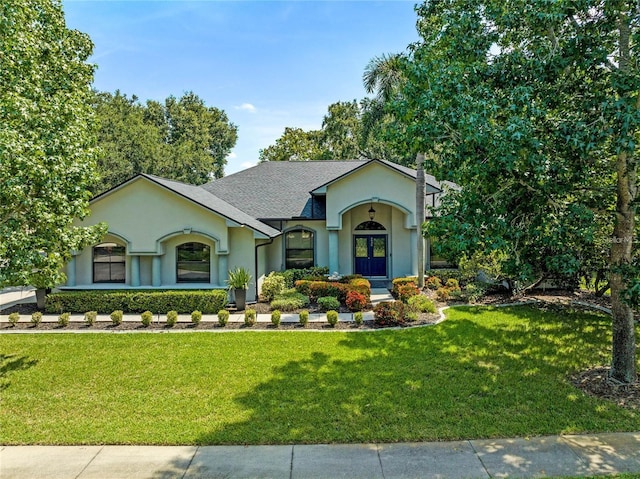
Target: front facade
{"type": "Point", "coordinates": [351, 216]}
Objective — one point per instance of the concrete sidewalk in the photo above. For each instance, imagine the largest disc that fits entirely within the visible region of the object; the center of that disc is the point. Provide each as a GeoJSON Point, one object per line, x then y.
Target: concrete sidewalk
{"type": "Point", "coordinates": [577, 455]}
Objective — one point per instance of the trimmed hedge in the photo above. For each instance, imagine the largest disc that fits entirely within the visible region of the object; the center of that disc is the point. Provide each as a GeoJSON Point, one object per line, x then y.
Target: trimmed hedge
{"type": "Point", "coordinates": [137, 301]}
{"type": "Point", "coordinates": [319, 289]}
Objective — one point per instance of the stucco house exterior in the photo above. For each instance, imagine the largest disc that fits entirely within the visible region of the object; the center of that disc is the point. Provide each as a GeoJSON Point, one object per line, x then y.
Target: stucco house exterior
{"type": "Point", "coordinates": [351, 216]}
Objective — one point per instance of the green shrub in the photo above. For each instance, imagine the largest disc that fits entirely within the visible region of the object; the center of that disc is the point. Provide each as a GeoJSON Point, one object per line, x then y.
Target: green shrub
{"type": "Point", "coordinates": [290, 301]}
{"type": "Point", "coordinates": [332, 317]}
{"type": "Point", "coordinates": [433, 282]}
{"type": "Point", "coordinates": [303, 317]}
{"type": "Point", "coordinates": [318, 289]}
{"type": "Point", "coordinates": [422, 304]}
{"type": "Point", "coordinates": [223, 317]}
{"type": "Point", "coordinates": [472, 292]}
{"type": "Point", "coordinates": [275, 318]}
{"type": "Point", "coordinates": [90, 317]}
{"type": "Point", "coordinates": [196, 317]}
{"type": "Point", "coordinates": [172, 318]}
{"type": "Point", "coordinates": [389, 313]}
{"type": "Point", "coordinates": [358, 318]}
{"type": "Point", "coordinates": [36, 318]}
{"type": "Point", "coordinates": [407, 291]}
{"type": "Point", "coordinates": [411, 313]}
{"type": "Point", "coordinates": [356, 301]}
{"type": "Point", "coordinates": [63, 319]}
{"type": "Point", "coordinates": [397, 283]}
{"type": "Point", "coordinates": [292, 275]}
{"type": "Point", "coordinates": [444, 274]}
{"type": "Point", "coordinates": [14, 318]}
{"type": "Point", "coordinates": [137, 301]}
{"type": "Point", "coordinates": [116, 317]}
{"type": "Point", "coordinates": [272, 286]}
{"type": "Point", "coordinates": [452, 284]}
{"type": "Point", "coordinates": [146, 318]}
{"type": "Point", "coordinates": [250, 317]}
{"type": "Point", "coordinates": [327, 303]}
{"type": "Point", "coordinates": [443, 294]}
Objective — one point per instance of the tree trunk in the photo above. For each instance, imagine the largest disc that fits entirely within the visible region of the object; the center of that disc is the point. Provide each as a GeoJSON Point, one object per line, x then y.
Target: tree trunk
{"type": "Point", "coordinates": [420, 185]}
{"type": "Point", "coordinates": [623, 363]}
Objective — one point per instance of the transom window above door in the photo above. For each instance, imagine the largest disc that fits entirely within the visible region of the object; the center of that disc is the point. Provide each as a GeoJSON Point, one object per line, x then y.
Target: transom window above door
{"type": "Point", "coordinates": [370, 226]}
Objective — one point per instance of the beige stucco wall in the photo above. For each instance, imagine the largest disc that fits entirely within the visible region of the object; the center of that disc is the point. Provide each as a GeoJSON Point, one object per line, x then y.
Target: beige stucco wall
{"type": "Point", "coordinates": [143, 213]}
{"type": "Point", "coordinates": [374, 183]}
{"type": "Point", "coordinates": [151, 222]}
{"type": "Point", "coordinates": [348, 202]}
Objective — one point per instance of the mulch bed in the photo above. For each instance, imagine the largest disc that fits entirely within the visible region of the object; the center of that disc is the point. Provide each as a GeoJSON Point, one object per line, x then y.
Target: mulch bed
{"type": "Point", "coordinates": [596, 382]}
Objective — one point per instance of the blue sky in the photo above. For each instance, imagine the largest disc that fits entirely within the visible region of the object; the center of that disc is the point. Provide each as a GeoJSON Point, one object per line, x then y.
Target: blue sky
{"type": "Point", "coordinates": [268, 64]}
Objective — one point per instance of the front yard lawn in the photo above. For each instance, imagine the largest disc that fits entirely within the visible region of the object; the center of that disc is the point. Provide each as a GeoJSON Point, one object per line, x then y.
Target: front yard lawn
{"type": "Point", "coordinates": [482, 373]}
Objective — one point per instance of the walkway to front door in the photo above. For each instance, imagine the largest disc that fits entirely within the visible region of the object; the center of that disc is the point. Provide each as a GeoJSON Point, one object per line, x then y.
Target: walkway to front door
{"type": "Point", "coordinates": [370, 253]}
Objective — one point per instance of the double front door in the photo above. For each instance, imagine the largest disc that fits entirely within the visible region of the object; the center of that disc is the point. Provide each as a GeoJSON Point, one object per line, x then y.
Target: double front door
{"type": "Point", "coordinates": [370, 253]}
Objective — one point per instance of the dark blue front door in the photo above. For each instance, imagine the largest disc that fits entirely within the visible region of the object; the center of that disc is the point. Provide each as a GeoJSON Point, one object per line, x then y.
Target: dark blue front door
{"type": "Point", "coordinates": [370, 253]}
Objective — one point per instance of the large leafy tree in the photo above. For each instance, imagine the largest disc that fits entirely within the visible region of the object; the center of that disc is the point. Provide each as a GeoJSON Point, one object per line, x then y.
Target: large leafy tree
{"type": "Point", "coordinates": [534, 108]}
{"type": "Point", "coordinates": [349, 131]}
{"type": "Point", "coordinates": [181, 139]}
{"type": "Point", "coordinates": [47, 142]}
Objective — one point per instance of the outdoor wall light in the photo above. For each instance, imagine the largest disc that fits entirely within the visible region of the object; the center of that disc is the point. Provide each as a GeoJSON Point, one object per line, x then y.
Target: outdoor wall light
{"type": "Point", "coordinates": [372, 213]}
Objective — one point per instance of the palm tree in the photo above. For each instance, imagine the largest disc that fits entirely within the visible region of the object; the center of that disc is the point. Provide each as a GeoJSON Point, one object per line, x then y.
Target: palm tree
{"type": "Point", "coordinates": [383, 76]}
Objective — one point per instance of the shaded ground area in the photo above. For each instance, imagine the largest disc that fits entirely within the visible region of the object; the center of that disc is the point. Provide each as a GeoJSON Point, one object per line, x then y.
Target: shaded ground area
{"type": "Point", "coordinates": [596, 382]}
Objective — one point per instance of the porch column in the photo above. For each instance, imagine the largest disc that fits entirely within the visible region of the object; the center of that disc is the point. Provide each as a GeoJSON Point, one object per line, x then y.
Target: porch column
{"type": "Point", "coordinates": [334, 252]}
{"type": "Point", "coordinates": [156, 271]}
{"type": "Point", "coordinates": [223, 268]}
{"type": "Point", "coordinates": [71, 271]}
{"type": "Point", "coordinates": [135, 270]}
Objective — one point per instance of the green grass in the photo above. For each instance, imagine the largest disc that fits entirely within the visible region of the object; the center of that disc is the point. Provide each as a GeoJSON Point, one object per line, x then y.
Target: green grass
{"type": "Point", "coordinates": [483, 373]}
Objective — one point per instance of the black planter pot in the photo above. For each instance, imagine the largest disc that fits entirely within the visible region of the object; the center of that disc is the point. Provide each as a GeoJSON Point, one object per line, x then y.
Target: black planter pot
{"type": "Point", "coordinates": [241, 298]}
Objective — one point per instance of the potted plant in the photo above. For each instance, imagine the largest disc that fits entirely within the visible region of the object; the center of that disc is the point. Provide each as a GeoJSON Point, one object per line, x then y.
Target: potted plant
{"type": "Point", "coordinates": [239, 279]}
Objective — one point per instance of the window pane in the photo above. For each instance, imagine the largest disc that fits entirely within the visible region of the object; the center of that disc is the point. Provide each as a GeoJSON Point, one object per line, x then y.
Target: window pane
{"type": "Point", "coordinates": [193, 263]}
{"type": "Point", "coordinates": [379, 247]}
{"type": "Point", "coordinates": [117, 272]}
{"type": "Point", "coordinates": [361, 248]}
{"type": "Point", "coordinates": [299, 251]}
{"type": "Point", "coordinates": [300, 259]}
{"type": "Point", "coordinates": [109, 263]}
{"type": "Point", "coordinates": [101, 272]}
{"type": "Point", "coordinates": [300, 239]}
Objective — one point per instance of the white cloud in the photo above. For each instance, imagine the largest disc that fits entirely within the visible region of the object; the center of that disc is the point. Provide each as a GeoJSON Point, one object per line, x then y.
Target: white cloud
{"type": "Point", "coordinates": [232, 156]}
{"type": "Point", "coordinates": [246, 107]}
{"type": "Point", "coordinates": [248, 164]}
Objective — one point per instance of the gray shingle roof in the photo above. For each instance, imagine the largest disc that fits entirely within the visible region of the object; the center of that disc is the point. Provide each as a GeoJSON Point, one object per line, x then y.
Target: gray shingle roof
{"type": "Point", "coordinates": [278, 189]}
{"type": "Point", "coordinates": [281, 189]}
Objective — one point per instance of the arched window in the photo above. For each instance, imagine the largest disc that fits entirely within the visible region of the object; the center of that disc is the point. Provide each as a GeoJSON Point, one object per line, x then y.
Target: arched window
{"type": "Point", "coordinates": [193, 263]}
{"type": "Point", "coordinates": [299, 249]}
{"type": "Point", "coordinates": [109, 263]}
{"type": "Point", "coordinates": [370, 226]}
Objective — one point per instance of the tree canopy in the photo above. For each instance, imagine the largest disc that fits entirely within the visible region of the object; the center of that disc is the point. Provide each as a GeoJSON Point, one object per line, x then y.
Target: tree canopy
{"type": "Point", "coordinates": [350, 130]}
{"type": "Point", "coordinates": [47, 142]}
{"type": "Point", "coordinates": [181, 139]}
{"type": "Point", "coordinates": [534, 109]}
